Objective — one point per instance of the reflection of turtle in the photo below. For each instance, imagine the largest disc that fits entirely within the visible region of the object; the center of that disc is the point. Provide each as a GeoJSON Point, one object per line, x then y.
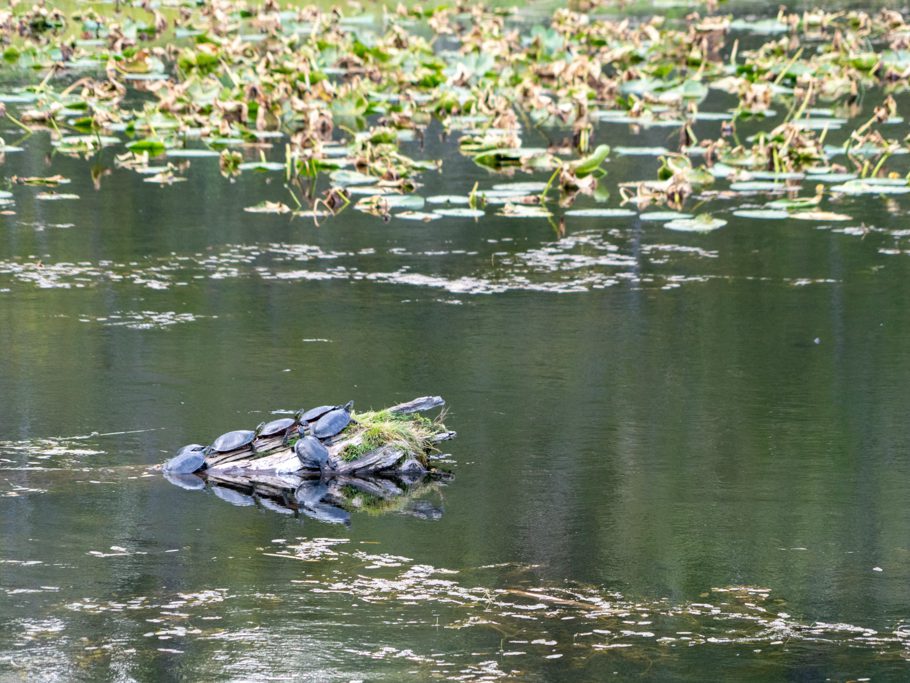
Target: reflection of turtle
{"type": "Point", "coordinates": [311, 492]}
{"type": "Point", "coordinates": [189, 459]}
{"type": "Point", "coordinates": [333, 422]}
{"type": "Point", "coordinates": [190, 482]}
{"type": "Point", "coordinates": [324, 512]}
{"type": "Point", "coordinates": [313, 455]}
{"type": "Point", "coordinates": [233, 496]}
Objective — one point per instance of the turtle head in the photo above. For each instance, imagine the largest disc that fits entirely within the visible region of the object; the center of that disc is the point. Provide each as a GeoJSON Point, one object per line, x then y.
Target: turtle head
{"type": "Point", "coordinates": [259, 427]}
{"type": "Point", "coordinates": [348, 406]}
{"type": "Point", "coordinates": [298, 415]}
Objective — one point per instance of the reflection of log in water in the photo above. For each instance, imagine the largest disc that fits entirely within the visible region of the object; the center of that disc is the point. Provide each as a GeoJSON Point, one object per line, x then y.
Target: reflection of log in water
{"type": "Point", "coordinates": [328, 499]}
{"type": "Point", "coordinates": [387, 478]}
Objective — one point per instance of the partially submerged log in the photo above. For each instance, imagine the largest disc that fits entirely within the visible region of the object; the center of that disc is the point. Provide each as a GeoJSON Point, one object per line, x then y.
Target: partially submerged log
{"type": "Point", "coordinates": [386, 476]}
{"type": "Point", "coordinates": [386, 458]}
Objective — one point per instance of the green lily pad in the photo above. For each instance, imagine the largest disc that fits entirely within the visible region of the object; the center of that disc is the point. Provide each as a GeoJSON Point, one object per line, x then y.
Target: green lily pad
{"type": "Point", "coordinates": [422, 216]}
{"type": "Point", "coordinates": [817, 215]}
{"type": "Point", "coordinates": [758, 186]}
{"type": "Point", "coordinates": [872, 186]}
{"type": "Point", "coordinates": [345, 177]}
{"type": "Point", "coordinates": [192, 153]}
{"type": "Point", "coordinates": [449, 199]}
{"type": "Point", "coordinates": [524, 211]}
{"type": "Point", "coordinates": [663, 216]}
{"type": "Point", "coordinates": [153, 146]}
{"type": "Point", "coordinates": [600, 213]}
{"type": "Point", "coordinates": [701, 223]}
{"type": "Point", "coordinates": [391, 201]}
{"type": "Point", "coordinates": [55, 196]}
{"type": "Point", "coordinates": [831, 177]}
{"type": "Point", "coordinates": [261, 166]}
{"type": "Point", "coordinates": [793, 204]}
{"type": "Point", "coordinates": [641, 151]}
{"type": "Point", "coordinates": [520, 187]}
{"type": "Point", "coordinates": [762, 214]}
{"type": "Point", "coordinates": [460, 213]}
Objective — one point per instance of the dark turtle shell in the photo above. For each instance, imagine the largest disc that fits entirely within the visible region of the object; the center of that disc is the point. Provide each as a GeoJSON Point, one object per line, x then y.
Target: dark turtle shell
{"type": "Point", "coordinates": [333, 422]}
{"type": "Point", "coordinates": [189, 459]}
{"type": "Point", "coordinates": [312, 454]}
{"type": "Point", "coordinates": [232, 441]}
{"type": "Point", "coordinates": [315, 413]}
{"type": "Point", "coordinates": [276, 427]}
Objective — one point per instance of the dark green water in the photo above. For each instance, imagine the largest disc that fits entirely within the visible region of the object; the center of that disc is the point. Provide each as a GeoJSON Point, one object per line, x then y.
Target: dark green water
{"type": "Point", "coordinates": [693, 448]}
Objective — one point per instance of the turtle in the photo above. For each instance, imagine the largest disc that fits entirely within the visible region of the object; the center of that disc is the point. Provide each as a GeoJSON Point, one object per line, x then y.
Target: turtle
{"type": "Point", "coordinates": [314, 414]}
{"type": "Point", "coordinates": [312, 453]}
{"type": "Point", "coordinates": [233, 441]}
{"type": "Point", "coordinates": [189, 459]}
{"type": "Point", "coordinates": [333, 422]}
{"type": "Point", "coordinates": [280, 427]}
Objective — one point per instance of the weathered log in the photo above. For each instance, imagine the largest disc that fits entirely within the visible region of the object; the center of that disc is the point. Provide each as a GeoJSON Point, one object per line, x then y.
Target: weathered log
{"type": "Point", "coordinates": [382, 458]}
{"type": "Point", "coordinates": [418, 405]}
{"type": "Point", "coordinates": [275, 458]}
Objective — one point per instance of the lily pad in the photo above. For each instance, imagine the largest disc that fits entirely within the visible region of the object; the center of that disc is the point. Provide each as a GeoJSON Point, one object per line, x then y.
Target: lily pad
{"type": "Point", "coordinates": [518, 187]}
{"type": "Point", "coordinates": [153, 146]}
{"type": "Point", "coordinates": [701, 223]}
{"type": "Point", "coordinates": [268, 207]}
{"type": "Point", "coordinates": [391, 201]}
{"type": "Point", "coordinates": [449, 199]}
{"type": "Point", "coordinates": [758, 186]}
{"type": "Point", "coordinates": [55, 196]}
{"type": "Point", "coordinates": [872, 186]}
{"type": "Point", "coordinates": [192, 153]}
{"type": "Point", "coordinates": [762, 214]}
{"type": "Point", "coordinates": [793, 204]}
{"type": "Point", "coordinates": [663, 216]}
{"type": "Point", "coordinates": [831, 177]}
{"type": "Point", "coordinates": [261, 166]}
{"type": "Point", "coordinates": [641, 151]}
{"type": "Point", "coordinates": [345, 177]}
{"type": "Point", "coordinates": [422, 216]}
{"type": "Point", "coordinates": [460, 213]}
{"type": "Point", "coordinates": [524, 211]}
{"type": "Point", "coordinates": [820, 216]}
{"type": "Point", "coordinates": [600, 213]}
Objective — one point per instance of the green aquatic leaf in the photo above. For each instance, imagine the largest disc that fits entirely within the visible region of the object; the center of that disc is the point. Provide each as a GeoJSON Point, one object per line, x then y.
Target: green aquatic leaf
{"type": "Point", "coordinates": [701, 223]}
{"type": "Point", "coordinates": [261, 166]}
{"type": "Point", "coordinates": [459, 213]}
{"type": "Point", "coordinates": [762, 214]}
{"type": "Point", "coordinates": [600, 213]}
{"type": "Point", "coordinates": [154, 146]}
{"type": "Point", "coordinates": [663, 216]}
{"type": "Point", "coordinates": [872, 186]}
{"type": "Point", "coordinates": [449, 199]}
{"type": "Point", "coordinates": [590, 164]}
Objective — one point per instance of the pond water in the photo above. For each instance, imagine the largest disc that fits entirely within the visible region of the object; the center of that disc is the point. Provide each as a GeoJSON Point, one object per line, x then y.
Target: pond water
{"type": "Point", "coordinates": [679, 455]}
